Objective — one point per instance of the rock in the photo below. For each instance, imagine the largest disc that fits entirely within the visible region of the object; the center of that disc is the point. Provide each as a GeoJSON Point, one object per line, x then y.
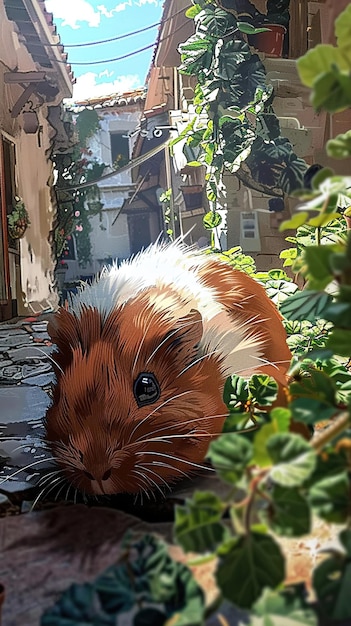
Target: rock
{"type": "Point", "coordinates": [14, 340]}
{"type": "Point", "coordinates": [30, 352]}
{"type": "Point", "coordinates": [41, 381]}
{"type": "Point", "coordinates": [40, 327]}
{"type": "Point", "coordinates": [22, 403]}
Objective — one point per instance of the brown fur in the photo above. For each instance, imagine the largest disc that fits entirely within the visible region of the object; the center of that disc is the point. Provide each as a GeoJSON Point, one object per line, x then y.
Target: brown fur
{"type": "Point", "coordinates": [101, 438]}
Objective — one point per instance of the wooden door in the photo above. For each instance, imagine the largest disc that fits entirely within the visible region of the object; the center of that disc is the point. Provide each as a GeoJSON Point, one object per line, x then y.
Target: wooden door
{"type": "Point", "coordinates": [7, 192]}
{"type": "Point", "coordinates": [139, 231]}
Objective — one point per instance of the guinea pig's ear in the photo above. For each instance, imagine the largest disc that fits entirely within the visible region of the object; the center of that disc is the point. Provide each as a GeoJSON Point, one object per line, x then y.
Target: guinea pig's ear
{"type": "Point", "coordinates": [185, 339]}
{"type": "Point", "coordinates": [63, 330]}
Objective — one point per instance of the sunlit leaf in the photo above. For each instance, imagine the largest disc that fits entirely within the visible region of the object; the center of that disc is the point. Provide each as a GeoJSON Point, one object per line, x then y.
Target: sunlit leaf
{"type": "Point", "coordinates": [263, 389]}
{"type": "Point", "coordinates": [297, 220]}
{"type": "Point", "coordinates": [229, 455]}
{"type": "Point", "coordinates": [330, 497]}
{"type": "Point", "coordinates": [286, 607]}
{"type": "Point", "coordinates": [311, 411]}
{"type": "Point", "coordinates": [305, 305]}
{"type": "Point", "coordinates": [294, 459]}
{"type": "Point", "coordinates": [211, 220]}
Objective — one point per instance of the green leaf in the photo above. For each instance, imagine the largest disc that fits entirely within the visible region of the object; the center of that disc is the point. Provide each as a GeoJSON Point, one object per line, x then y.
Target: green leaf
{"type": "Point", "coordinates": [217, 22]}
{"type": "Point", "coordinates": [230, 454]}
{"type": "Point", "coordinates": [330, 497]}
{"type": "Point", "coordinates": [294, 459]}
{"type": "Point", "coordinates": [248, 29]}
{"type": "Point", "coordinates": [263, 389]}
{"type": "Point", "coordinates": [297, 220]}
{"type": "Point", "coordinates": [211, 220]}
{"type": "Point", "coordinates": [290, 513]}
{"type": "Point", "coordinates": [286, 607]}
{"type": "Point", "coordinates": [305, 305]}
{"type": "Point", "coordinates": [235, 391]}
{"type": "Point", "coordinates": [332, 583]}
{"type": "Point", "coordinates": [311, 411]}
{"type": "Point", "coordinates": [319, 61]}
{"type": "Point", "coordinates": [280, 419]}
{"type": "Point", "coordinates": [343, 28]}
{"type": "Point", "coordinates": [340, 146]}
{"type": "Point", "coordinates": [78, 606]}
{"type": "Point", "coordinates": [193, 11]}
{"type": "Point", "coordinates": [340, 342]}
{"type": "Point", "coordinates": [248, 564]}
{"type": "Point", "coordinates": [332, 91]}
{"type": "Point", "coordinates": [339, 313]}
{"type": "Point", "coordinates": [197, 524]}
{"type": "Point", "coordinates": [317, 385]}
{"type": "Point", "coordinates": [318, 261]}
{"type": "Point", "coordinates": [280, 290]}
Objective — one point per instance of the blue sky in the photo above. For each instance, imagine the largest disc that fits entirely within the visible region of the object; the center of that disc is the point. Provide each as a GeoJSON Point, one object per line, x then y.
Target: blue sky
{"type": "Point", "coordinates": [82, 21]}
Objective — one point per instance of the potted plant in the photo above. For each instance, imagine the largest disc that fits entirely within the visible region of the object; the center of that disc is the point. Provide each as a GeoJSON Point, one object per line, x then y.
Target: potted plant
{"type": "Point", "coordinates": [276, 20]}
{"type": "Point", "coordinates": [18, 220]}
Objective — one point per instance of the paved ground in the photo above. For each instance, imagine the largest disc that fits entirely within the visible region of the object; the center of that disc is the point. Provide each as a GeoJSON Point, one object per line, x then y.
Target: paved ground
{"type": "Point", "coordinates": [25, 379]}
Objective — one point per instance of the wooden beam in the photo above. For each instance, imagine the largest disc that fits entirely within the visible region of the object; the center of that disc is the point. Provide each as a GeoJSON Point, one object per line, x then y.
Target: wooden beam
{"type": "Point", "coordinates": [12, 78]}
{"type": "Point", "coordinates": [24, 97]}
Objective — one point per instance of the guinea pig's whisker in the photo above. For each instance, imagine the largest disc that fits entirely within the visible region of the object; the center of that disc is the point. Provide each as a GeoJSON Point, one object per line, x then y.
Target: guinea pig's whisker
{"type": "Point", "coordinates": [49, 476]}
{"type": "Point", "coordinates": [48, 356]}
{"type": "Point", "coordinates": [274, 363]}
{"type": "Point", "coordinates": [179, 395]}
{"type": "Point", "coordinates": [22, 469]}
{"type": "Point", "coordinates": [145, 469]}
{"type": "Point", "coordinates": [175, 458]}
{"type": "Point", "coordinates": [156, 487]}
{"type": "Point", "coordinates": [67, 492]}
{"type": "Point", "coordinates": [148, 469]}
{"type": "Point", "coordinates": [143, 480]}
{"type": "Point", "coordinates": [47, 489]}
{"type": "Point", "coordinates": [201, 358]}
{"type": "Point", "coordinates": [191, 434]}
{"type": "Point", "coordinates": [167, 465]}
{"type": "Point", "coordinates": [181, 424]}
{"type": "Point", "coordinates": [59, 491]}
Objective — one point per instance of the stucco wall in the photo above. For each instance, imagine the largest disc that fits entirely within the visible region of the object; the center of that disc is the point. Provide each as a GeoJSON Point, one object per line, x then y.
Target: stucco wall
{"type": "Point", "coordinates": [33, 175]}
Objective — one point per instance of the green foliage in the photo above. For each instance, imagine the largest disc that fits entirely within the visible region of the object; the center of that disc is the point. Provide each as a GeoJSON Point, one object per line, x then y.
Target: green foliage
{"type": "Point", "coordinates": [326, 69]}
{"type": "Point", "coordinates": [244, 559]}
{"type": "Point", "coordinates": [235, 127]}
{"type": "Point", "coordinates": [275, 480]}
{"type": "Point", "coordinates": [145, 588]}
{"type": "Point", "coordinates": [75, 206]}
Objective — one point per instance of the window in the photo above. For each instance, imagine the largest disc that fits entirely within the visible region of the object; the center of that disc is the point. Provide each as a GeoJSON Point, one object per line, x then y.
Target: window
{"type": "Point", "coordinates": [119, 149]}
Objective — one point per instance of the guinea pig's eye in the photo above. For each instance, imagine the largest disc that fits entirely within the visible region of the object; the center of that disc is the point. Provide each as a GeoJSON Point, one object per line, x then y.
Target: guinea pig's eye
{"type": "Point", "coordinates": [146, 389]}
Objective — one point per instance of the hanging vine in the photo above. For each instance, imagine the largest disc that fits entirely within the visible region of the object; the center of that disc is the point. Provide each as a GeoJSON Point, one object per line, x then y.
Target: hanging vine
{"type": "Point", "coordinates": [235, 128]}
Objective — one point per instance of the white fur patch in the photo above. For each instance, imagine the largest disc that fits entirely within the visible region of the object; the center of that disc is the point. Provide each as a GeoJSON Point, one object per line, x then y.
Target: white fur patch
{"type": "Point", "coordinates": [175, 265]}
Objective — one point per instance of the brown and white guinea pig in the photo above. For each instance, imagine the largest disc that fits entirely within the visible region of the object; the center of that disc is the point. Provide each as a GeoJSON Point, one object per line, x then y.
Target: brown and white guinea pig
{"type": "Point", "coordinates": [142, 357]}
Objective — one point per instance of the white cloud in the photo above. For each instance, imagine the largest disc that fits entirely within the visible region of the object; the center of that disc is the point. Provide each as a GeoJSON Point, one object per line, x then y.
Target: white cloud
{"type": "Point", "coordinates": [87, 87]}
{"type": "Point", "coordinates": [106, 73]}
{"type": "Point", "coordinates": [121, 6]}
{"type": "Point", "coordinates": [73, 12]}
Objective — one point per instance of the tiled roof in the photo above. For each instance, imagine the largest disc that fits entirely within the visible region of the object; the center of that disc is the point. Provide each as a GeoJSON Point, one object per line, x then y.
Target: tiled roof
{"type": "Point", "coordinates": [111, 100]}
{"type": "Point", "coordinates": [17, 12]}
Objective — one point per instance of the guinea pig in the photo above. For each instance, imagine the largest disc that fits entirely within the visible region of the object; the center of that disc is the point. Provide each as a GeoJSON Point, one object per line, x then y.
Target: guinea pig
{"type": "Point", "coordinates": [142, 357]}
